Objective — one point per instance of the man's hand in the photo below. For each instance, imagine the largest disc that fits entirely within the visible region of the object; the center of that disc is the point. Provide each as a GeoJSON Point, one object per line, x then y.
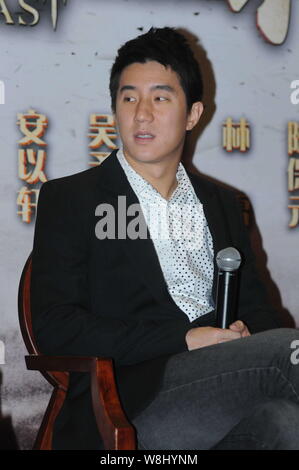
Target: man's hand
{"type": "Point", "coordinates": [207, 335]}
{"type": "Point", "coordinates": [240, 327]}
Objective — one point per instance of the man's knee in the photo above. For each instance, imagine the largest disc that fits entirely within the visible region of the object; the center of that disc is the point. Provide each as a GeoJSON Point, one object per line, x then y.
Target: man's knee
{"type": "Point", "coordinates": [284, 333]}
{"type": "Point", "coordinates": [280, 340]}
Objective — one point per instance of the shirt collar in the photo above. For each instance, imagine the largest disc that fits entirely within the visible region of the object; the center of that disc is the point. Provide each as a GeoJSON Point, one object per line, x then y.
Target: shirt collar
{"type": "Point", "coordinates": [141, 186]}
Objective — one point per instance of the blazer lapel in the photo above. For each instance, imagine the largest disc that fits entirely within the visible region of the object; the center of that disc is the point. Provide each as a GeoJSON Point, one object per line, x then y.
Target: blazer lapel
{"type": "Point", "coordinates": [140, 252]}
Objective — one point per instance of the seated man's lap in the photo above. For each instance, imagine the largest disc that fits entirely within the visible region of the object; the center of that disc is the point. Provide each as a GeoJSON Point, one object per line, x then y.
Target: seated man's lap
{"type": "Point", "coordinates": [206, 392]}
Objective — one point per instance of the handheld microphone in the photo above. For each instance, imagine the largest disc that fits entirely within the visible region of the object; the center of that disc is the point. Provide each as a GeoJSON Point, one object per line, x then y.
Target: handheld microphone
{"type": "Point", "coordinates": [228, 262]}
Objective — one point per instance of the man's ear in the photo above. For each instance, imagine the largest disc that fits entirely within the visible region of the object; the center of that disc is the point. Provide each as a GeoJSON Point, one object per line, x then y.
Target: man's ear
{"type": "Point", "coordinates": [194, 115]}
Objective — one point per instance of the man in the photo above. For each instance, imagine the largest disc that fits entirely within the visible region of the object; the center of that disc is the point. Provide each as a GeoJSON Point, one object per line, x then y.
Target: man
{"type": "Point", "coordinates": [100, 288]}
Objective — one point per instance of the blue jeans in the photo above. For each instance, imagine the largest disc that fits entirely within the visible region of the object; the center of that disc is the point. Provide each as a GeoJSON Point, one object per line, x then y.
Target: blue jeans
{"type": "Point", "coordinates": [241, 394]}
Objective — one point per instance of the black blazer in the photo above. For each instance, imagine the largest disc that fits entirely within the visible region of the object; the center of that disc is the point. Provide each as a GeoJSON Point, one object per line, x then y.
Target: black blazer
{"type": "Point", "coordinates": [108, 297]}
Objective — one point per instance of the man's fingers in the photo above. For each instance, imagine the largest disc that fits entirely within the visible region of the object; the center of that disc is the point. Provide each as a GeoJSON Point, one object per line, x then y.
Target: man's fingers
{"type": "Point", "coordinates": [237, 325]}
{"type": "Point", "coordinates": [241, 327]}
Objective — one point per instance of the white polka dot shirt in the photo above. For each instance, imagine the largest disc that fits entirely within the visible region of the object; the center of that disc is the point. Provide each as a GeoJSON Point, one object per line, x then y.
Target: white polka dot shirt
{"type": "Point", "coordinates": [181, 237]}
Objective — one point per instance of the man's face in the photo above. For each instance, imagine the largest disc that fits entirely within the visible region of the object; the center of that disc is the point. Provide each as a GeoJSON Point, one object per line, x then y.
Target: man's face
{"type": "Point", "coordinates": [151, 113]}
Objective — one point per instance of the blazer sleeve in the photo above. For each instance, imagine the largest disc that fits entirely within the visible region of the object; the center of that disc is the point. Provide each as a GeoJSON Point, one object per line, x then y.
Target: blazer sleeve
{"type": "Point", "coordinates": [254, 307]}
{"type": "Point", "coordinates": [63, 322]}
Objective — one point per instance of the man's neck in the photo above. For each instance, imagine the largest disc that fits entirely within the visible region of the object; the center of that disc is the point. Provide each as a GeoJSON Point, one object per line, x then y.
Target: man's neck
{"type": "Point", "coordinates": [161, 175]}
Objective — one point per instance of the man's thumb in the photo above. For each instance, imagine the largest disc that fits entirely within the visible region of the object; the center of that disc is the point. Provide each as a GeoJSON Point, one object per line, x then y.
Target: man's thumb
{"type": "Point", "coordinates": [237, 324]}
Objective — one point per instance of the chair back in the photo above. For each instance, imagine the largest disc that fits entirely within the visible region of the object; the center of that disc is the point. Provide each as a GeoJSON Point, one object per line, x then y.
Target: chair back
{"type": "Point", "coordinates": [59, 380]}
{"type": "Point", "coordinates": [25, 320]}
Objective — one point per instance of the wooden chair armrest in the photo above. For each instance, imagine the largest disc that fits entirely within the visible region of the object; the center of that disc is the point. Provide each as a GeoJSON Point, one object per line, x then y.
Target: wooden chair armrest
{"type": "Point", "coordinates": [115, 429]}
{"type": "Point", "coordinates": [59, 363]}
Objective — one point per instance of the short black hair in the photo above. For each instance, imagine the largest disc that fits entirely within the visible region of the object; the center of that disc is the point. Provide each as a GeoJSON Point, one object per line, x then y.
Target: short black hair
{"type": "Point", "coordinates": [168, 47]}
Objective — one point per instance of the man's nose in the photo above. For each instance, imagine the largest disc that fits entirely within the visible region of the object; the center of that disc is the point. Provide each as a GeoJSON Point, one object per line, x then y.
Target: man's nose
{"type": "Point", "coordinates": [144, 111]}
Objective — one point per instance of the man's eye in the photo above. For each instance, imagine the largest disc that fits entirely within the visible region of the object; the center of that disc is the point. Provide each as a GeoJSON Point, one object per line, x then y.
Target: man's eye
{"type": "Point", "coordinates": [161, 98]}
{"type": "Point", "coordinates": [129, 98]}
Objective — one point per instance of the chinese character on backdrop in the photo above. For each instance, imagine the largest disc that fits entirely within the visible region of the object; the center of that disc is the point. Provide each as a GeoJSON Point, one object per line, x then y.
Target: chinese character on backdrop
{"type": "Point", "coordinates": [236, 135]}
{"type": "Point", "coordinates": [103, 134]}
{"type": "Point", "coordinates": [293, 172]}
{"type": "Point", "coordinates": [294, 206]}
{"type": "Point", "coordinates": [27, 200]}
{"type": "Point", "coordinates": [31, 160]}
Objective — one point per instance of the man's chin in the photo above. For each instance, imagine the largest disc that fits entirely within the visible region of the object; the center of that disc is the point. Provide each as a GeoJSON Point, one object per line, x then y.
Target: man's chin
{"type": "Point", "coordinates": [142, 155]}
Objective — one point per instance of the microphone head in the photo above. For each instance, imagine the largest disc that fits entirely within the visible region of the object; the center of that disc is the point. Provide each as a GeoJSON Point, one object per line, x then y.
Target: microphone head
{"type": "Point", "coordinates": [228, 259]}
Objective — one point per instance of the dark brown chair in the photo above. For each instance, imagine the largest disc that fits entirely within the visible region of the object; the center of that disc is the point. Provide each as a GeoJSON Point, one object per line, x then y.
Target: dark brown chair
{"type": "Point", "coordinates": [116, 432]}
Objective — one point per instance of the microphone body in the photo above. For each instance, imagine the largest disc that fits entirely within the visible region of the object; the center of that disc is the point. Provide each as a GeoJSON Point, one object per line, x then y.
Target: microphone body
{"type": "Point", "coordinates": [228, 261]}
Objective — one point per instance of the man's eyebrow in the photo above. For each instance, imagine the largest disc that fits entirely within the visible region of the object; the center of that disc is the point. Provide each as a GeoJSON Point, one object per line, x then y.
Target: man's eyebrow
{"type": "Point", "coordinates": [154, 87]}
{"type": "Point", "coordinates": [164, 87]}
{"type": "Point", "coordinates": [127, 87]}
